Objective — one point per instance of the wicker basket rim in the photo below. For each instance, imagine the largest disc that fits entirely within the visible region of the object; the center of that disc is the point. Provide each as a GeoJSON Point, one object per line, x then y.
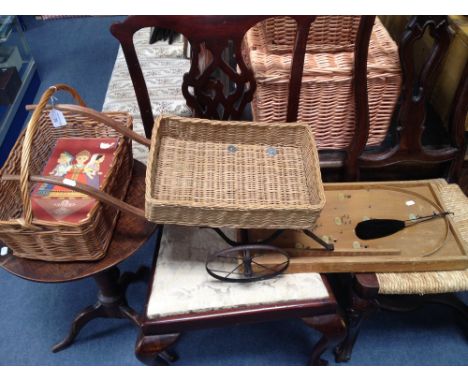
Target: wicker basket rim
{"type": "Point", "coordinates": [228, 207]}
{"type": "Point", "coordinates": [246, 124]}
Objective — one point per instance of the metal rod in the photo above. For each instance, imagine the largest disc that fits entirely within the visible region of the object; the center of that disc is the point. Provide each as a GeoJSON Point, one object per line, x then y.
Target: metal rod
{"type": "Point", "coordinates": [234, 243]}
{"type": "Point", "coordinates": [247, 261]}
{"type": "Point", "coordinates": [327, 246]}
{"type": "Point", "coordinates": [423, 219]}
{"type": "Point", "coordinates": [244, 236]}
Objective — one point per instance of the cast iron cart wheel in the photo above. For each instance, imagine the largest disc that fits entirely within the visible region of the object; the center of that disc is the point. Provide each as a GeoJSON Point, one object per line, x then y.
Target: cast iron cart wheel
{"type": "Point", "coordinates": [242, 263]}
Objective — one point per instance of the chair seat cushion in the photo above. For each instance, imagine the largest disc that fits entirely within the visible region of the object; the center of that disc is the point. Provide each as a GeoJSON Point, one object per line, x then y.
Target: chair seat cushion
{"type": "Point", "coordinates": [182, 285]}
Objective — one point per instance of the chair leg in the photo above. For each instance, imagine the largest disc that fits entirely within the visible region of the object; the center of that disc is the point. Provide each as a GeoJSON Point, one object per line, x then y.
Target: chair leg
{"type": "Point", "coordinates": [151, 350]}
{"type": "Point", "coordinates": [356, 313]}
{"type": "Point", "coordinates": [333, 329]}
{"type": "Point", "coordinates": [186, 49]}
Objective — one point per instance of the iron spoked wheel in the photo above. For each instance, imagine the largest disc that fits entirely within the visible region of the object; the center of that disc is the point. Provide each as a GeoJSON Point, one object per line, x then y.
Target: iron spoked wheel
{"type": "Point", "coordinates": [247, 263]}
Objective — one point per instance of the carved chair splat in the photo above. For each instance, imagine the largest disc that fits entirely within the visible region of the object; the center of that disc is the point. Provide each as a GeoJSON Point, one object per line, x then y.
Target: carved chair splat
{"type": "Point", "coordinates": [416, 89]}
{"type": "Point", "coordinates": [206, 95]}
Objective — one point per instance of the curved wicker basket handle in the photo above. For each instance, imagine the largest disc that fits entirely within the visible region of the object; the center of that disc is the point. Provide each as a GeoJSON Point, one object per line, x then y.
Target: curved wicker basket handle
{"type": "Point", "coordinates": [27, 144]}
{"type": "Point", "coordinates": [84, 189]}
{"type": "Point", "coordinates": [101, 117]}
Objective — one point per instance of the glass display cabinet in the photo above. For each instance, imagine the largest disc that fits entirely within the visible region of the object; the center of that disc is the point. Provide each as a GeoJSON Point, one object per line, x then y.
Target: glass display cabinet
{"type": "Point", "coordinates": [18, 81]}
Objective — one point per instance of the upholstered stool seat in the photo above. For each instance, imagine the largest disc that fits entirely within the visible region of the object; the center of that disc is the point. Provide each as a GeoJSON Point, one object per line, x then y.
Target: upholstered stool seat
{"type": "Point", "coordinates": [182, 285]}
{"type": "Point", "coordinates": [183, 296]}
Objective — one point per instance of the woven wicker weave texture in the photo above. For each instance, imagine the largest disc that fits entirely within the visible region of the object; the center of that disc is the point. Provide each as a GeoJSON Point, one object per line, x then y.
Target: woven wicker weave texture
{"type": "Point", "coordinates": [434, 282]}
{"type": "Point", "coordinates": [326, 100]}
{"type": "Point", "coordinates": [61, 241]}
{"type": "Point", "coordinates": [327, 33]}
{"type": "Point", "coordinates": [233, 174]}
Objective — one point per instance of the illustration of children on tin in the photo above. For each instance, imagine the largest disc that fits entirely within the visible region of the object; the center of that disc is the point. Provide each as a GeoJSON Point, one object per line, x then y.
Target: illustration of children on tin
{"type": "Point", "coordinates": [84, 168]}
{"type": "Point", "coordinates": [64, 164]}
{"type": "Point", "coordinates": [92, 170]}
{"type": "Point", "coordinates": [78, 170]}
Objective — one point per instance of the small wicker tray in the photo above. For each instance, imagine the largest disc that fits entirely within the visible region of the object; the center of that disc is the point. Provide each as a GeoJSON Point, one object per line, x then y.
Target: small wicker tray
{"type": "Point", "coordinates": [233, 174]}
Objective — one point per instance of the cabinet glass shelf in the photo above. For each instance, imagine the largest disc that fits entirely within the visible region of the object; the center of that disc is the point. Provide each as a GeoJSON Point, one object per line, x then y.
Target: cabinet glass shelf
{"type": "Point", "coordinates": [14, 52]}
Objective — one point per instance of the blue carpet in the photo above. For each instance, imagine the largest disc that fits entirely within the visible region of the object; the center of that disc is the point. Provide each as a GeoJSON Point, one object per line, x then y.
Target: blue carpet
{"type": "Point", "coordinates": [81, 52]}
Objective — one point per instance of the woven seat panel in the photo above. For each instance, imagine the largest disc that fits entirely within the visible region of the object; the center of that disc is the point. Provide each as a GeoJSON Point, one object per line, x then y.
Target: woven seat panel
{"type": "Point", "coordinates": [434, 282]}
{"type": "Point", "coordinates": [190, 171]}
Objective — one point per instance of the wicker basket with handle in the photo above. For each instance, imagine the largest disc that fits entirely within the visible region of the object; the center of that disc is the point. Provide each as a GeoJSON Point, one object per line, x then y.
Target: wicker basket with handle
{"type": "Point", "coordinates": [233, 174]}
{"type": "Point", "coordinates": [326, 98]}
{"type": "Point", "coordinates": [60, 241]}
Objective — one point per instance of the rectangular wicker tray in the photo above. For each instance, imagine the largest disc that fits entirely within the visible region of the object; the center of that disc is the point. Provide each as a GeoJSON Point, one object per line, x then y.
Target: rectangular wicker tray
{"type": "Point", "coordinates": [233, 174]}
{"type": "Point", "coordinates": [407, 251]}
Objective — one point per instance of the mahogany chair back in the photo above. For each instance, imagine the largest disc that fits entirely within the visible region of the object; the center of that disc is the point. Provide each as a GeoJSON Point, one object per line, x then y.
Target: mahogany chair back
{"type": "Point", "coordinates": [206, 95]}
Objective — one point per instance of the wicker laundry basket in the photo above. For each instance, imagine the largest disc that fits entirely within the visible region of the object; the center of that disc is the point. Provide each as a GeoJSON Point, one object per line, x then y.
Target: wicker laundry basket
{"type": "Point", "coordinates": [326, 98]}
{"type": "Point", "coordinates": [326, 34]}
{"type": "Point", "coordinates": [60, 241]}
{"type": "Point", "coordinates": [233, 174]}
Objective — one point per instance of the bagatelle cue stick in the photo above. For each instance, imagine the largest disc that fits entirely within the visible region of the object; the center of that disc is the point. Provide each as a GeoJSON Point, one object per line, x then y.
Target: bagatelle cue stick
{"type": "Point", "coordinates": [428, 201]}
{"type": "Point", "coordinates": [378, 228]}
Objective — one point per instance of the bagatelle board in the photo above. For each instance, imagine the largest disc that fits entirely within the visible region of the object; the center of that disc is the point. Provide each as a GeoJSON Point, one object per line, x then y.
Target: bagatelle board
{"type": "Point", "coordinates": [434, 245]}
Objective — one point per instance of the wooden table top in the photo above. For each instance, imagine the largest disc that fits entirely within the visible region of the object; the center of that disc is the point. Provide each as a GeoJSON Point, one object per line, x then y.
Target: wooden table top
{"type": "Point", "coordinates": [129, 235]}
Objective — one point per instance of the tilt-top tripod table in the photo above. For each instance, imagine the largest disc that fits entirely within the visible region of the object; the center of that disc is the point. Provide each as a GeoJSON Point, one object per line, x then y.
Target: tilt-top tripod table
{"type": "Point", "coordinates": [129, 235]}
